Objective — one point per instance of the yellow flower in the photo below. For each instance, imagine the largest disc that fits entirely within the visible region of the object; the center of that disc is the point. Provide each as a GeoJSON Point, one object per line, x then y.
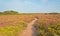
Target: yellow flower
{"type": "Point", "coordinates": [49, 28]}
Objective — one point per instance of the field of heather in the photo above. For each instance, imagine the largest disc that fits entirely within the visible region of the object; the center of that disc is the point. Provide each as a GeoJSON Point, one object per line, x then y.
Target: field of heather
{"type": "Point", "coordinates": [47, 24]}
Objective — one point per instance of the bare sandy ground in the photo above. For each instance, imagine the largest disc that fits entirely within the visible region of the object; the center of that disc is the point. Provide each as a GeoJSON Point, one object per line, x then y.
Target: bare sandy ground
{"type": "Point", "coordinates": [30, 30]}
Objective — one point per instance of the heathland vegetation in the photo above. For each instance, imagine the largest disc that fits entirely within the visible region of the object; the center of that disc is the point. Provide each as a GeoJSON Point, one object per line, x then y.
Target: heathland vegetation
{"type": "Point", "coordinates": [12, 22]}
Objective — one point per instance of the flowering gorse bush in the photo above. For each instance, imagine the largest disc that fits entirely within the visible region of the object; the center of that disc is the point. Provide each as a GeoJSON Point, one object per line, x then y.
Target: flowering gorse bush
{"type": "Point", "coordinates": [12, 30]}
{"type": "Point", "coordinates": [49, 30]}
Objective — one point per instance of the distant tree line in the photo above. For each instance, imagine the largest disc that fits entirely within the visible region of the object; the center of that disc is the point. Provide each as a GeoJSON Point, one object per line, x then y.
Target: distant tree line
{"type": "Point", "coordinates": [9, 13]}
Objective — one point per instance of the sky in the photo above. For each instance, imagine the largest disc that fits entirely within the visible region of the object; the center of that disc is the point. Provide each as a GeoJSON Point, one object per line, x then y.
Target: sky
{"type": "Point", "coordinates": [31, 6]}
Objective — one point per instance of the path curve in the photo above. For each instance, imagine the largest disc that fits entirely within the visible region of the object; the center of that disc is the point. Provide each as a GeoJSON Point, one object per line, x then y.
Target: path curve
{"type": "Point", "coordinates": [29, 31]}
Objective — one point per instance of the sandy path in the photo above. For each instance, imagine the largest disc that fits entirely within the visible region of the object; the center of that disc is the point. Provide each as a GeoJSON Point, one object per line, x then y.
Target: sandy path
{"type": "Point", "coordinates": [29, 31]}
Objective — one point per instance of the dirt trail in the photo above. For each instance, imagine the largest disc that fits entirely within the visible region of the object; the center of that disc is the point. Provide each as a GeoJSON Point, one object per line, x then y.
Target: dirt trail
{"type": "Point", "coordinates": [29, 31]}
